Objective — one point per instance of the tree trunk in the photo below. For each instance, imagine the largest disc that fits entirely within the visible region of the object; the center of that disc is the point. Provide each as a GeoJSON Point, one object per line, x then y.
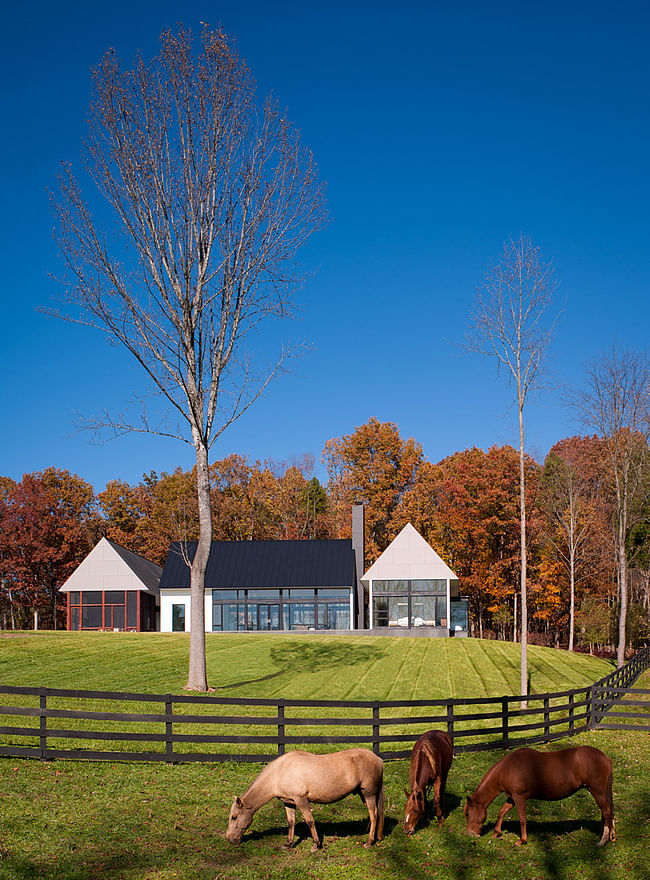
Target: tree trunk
{"type": "Point", "coordinates": [524, 604]}
{"type": "Point", "coordinates": [622, 571]}
{"type": "Point", "coordinates": [198, 678]}
{"type": "Point", "coordinates": [572, 599]}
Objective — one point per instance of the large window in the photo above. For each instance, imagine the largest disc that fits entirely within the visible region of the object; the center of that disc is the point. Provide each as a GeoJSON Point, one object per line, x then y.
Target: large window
{"type": "Point", "coordinates": [458, 615]}
{"type": "Point", "coordinates": [410, 603]}
{"type": "Point", "coordinates": [111, 610]}
{"type": "Point", "coordinates": [287, 609]}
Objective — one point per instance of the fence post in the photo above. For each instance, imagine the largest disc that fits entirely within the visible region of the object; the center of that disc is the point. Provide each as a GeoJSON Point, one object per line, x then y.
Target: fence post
{"type": "Point", "coordinates": [450, 719]}
{"type": "Point", "coordinates": [504, 721]}
{"type": "Point", "coordinates": [596, 706]}
{"type": "Point", "coordinates": [169, 736]}
{"type": "Point", "coordinates": [42, 699]}
{"type": "Point", "coordinates": [547, 719]}
{"type": "Point", "coordinates": [571, 713]}
{"type": "Point", "coordinates": [281, 741]}
{"type": "Point", "coordinates": [375, 728]}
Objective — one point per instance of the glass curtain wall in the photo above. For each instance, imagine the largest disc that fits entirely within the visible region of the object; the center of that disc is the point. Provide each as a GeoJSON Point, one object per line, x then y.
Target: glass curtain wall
{"type": "Point", "coordinates": [410, 603]}
{"type": "Point", "coordinates": [286, 609]}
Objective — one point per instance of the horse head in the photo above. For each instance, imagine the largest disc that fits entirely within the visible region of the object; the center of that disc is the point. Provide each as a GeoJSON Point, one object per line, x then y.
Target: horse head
{"type": "Point", "coordinates": [416, 806]}
{"type": "Point", "coordinates": [474, 817]}
{"type": "Point", "coordinates": [240, 818]}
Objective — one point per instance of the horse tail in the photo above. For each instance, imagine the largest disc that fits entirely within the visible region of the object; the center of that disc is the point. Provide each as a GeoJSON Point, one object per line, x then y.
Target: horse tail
{"type": "Point", "coordinates": [379, 831]}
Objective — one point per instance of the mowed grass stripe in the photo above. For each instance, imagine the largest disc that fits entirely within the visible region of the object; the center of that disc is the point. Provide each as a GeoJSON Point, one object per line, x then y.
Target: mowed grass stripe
{"type": "Point", "coordinates": [321, 666]}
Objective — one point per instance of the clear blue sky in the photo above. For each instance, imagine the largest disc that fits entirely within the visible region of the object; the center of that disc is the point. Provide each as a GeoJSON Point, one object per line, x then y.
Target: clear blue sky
{"type": "Point", "coordinates": [441, 129]}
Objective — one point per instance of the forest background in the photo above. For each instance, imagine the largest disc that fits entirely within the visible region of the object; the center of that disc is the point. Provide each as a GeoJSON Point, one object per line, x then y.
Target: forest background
{"type": "Point", "coordinates": [465, 506]}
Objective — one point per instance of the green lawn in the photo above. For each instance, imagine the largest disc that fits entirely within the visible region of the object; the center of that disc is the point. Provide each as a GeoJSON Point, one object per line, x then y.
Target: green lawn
{"type": "Point", "coordinates": [300, 667]}
{"type": "Point", "coordinates": [81, 821]}
{"type": "Point", "coordinates": [74, 820]}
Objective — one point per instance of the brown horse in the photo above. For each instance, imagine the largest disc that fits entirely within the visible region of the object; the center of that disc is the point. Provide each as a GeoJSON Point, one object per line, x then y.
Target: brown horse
{"type": "Point", "coordinates": [430, 762]}
{"type": "Point", "coordinates": [299, 779]}
{"type": "Point", "coordinates": [549, 776]}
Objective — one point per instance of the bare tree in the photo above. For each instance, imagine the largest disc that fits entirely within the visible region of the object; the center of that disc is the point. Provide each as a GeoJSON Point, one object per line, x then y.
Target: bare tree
{"type": "Point", "coordinates": [511, 323]}
{"type": "Point", "coordinates": [568, 497]}
{"type": "Point", "coordinates": [615, 403]}
{"type": "Point", "coordinates": [211, 200]}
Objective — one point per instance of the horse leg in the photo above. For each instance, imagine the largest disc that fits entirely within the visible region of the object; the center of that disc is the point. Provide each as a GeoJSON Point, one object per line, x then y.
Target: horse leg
{"type": "Point", "coordinates": [509, 804]}
{"type": "Point", "coordinates": [520, 803]}
{"type": "Point", "coordinates": [291, 819]}
{"type": "Point", "coordinates": [437, 787]}
{"type": "Point", "coordinates": [443, 786]}
{"type": "Point", "coordinates": [371, 803]}
{"type": "Point", "coordinates": [607, 816]}
{"type": "Point", "coordinates": [305, 808]}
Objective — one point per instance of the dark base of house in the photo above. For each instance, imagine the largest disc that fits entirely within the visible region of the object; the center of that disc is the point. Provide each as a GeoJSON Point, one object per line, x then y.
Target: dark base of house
{"type": "Point", "coordinates": [429, 632]}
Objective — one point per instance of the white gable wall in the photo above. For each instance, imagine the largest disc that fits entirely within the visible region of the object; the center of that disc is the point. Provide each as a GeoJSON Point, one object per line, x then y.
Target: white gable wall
{"type": "Point", "coordinates": [103, 569]}
{"type": "Point", "coordinates": [408, 557]}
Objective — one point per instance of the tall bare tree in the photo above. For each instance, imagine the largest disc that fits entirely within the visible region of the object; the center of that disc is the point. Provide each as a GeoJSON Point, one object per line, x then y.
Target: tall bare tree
{"type": "Point", "coordinates": [511, 322]}
{"type": "Point", "coordinates": [569, 492]}
{"type": "Point", "coordinates": [211, 199]}
{"type": "Point", "coordinates": [615, 402]}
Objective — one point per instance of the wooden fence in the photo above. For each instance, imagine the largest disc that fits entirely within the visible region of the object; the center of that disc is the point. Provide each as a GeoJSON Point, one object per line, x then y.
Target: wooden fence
{"type": "Point", "coordinates": [61, 723]}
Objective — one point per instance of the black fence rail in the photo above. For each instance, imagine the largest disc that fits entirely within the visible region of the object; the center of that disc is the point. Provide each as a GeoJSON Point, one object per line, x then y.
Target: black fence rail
{"type": "Point", "coordinates": [51, 723]}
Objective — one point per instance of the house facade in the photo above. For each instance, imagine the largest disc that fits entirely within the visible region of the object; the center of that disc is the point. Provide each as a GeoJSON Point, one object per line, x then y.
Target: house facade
{"type": "Point", "coordinates": [264, 586]}
{"type": "Point", "coordinates": [113, 589]}
{"type": "Point", "coordinates": [411, 589]}
{"type": "Point", "coordinates": [267, 586]}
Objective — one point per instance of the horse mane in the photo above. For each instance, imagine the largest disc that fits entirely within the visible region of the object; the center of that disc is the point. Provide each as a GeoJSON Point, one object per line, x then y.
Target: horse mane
{"type": "Point", "coordinates": [427, 753]}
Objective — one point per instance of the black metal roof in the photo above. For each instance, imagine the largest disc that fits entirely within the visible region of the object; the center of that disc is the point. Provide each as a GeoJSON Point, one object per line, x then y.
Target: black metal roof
{"type": "Point", "coordinates": [273, 564]}
{"type": "Point", "coordinates": [148, 572]}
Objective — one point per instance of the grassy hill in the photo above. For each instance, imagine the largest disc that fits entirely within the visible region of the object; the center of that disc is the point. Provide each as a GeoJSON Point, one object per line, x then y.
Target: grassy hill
{"type": "Point", "coordinates": [79, 820]}
{"type": "Point", "coordinates": [296, 666]}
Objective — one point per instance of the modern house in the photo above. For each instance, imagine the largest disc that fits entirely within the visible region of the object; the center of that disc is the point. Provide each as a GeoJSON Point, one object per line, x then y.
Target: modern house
{"type": "Point", "coordinates": [264, 585]}
{"type": "Point", "coordinates": [411, 588]}
{"type": "Point", "coordinates": [113, 589]}
{"type": "Point", "coordinates": [273, 586]}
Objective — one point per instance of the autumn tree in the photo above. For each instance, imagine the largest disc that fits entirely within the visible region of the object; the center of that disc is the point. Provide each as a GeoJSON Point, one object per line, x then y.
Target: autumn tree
{"type": "Point", "coordinates": [615, 403]}
{"type": "Point", "coordinates": [375, 467]}
{"type": "Point", "coordinates": [211, 199]}
{"type": "Point", "coordinates": [466, 507]}
{"type": "Point", "coordinates": [48, 525]}
{"type": "Point", "coordinates": [512, 323]}
{"type": "Point", "coordinates": [571, 494]}
{"type": "Point", "coordinates": [147, 517]}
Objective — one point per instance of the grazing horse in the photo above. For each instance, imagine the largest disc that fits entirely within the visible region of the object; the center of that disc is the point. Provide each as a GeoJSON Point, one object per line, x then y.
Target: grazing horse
{"type": "Point", "coordinates": [430, 762]}
{"type": "Point", "coordinates": [299, 779]}
{"type": "Point", "coordinates": [549, 776]}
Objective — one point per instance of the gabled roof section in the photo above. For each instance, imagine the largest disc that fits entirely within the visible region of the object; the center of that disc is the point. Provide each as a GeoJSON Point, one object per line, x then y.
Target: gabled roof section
{"type": "Point", "coordinates": [270, 564]}
{"type": "Point", "coordinates": [409, 557]}
{"type": "Point", "coordinates": [109, 566]}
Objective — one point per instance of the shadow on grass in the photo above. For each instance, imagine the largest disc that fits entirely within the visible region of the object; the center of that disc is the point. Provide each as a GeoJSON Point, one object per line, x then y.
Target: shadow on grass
{"type": "Point", "coordinates": [327, 831]}
{"type": "Point", "coordinates": [313, 657]}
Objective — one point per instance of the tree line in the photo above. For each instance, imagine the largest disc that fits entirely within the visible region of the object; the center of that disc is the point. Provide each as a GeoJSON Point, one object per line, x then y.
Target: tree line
{"type": "Point", "coordinates": [466, 506]}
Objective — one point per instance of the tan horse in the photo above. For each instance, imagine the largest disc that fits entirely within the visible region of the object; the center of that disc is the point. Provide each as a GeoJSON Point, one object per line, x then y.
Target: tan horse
{"type": "Point", "coordinates": [549, 776]}
{"type": "Point", "coordinates": [300, 779]}
{"type": "Point", "coordinates": [431, 759]}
